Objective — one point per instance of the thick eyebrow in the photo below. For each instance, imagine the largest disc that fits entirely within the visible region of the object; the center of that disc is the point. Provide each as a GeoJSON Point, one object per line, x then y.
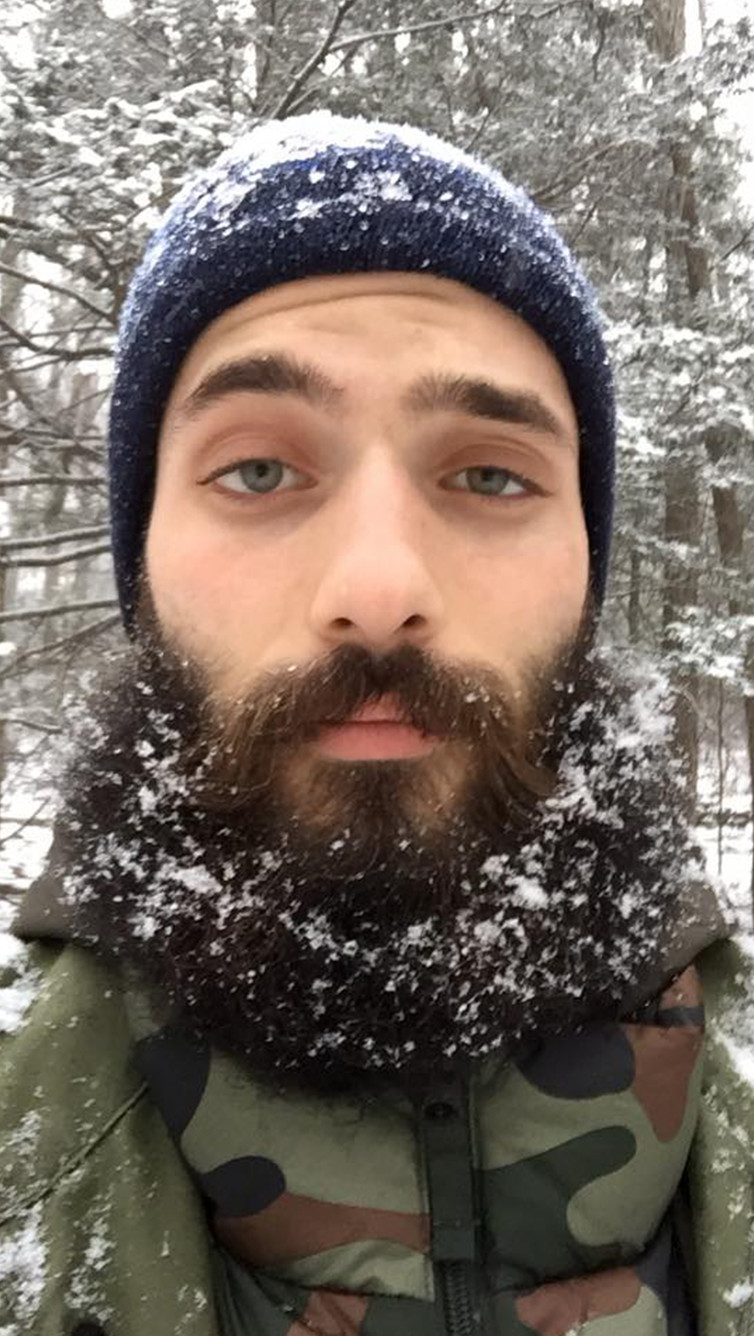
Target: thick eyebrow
{"type": "Point", "coordinates": [280, 373]}
{"type": "Point", "coordinates": [265, 373]}
{"type": "Point", "coordinates": [481, 398]}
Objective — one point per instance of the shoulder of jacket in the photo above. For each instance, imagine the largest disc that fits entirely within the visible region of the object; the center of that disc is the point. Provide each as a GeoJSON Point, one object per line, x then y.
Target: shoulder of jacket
{"type": "Point", "coordinates": [66, 1076]}
{"type": "Point", "coordinates": [726, 969]}
{"type": "Point", "coordinates": [725, 1133]}
{"type": "Point", "coordinates": [720, 1166]}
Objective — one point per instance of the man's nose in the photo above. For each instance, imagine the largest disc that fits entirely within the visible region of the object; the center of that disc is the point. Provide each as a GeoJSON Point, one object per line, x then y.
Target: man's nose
{"type": "Point", "coordinates": [379, 565]}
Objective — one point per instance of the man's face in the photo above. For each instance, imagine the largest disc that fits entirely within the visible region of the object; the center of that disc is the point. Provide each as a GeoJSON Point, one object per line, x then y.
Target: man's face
{"type": "Point", "coordinates": [368, 496]}
{"type": "Point", "coordinates": [381, 460]}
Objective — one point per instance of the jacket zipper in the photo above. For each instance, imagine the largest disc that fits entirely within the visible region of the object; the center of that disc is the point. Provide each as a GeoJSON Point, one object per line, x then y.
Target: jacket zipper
{"type": "Point", "coordinates": [457, 1300]}
{"type": "Point", "coordinates": [447, 1145]}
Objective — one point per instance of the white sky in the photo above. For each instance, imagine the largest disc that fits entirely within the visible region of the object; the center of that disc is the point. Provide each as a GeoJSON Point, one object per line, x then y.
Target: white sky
{"type": "Point", "coordinates": [742, 104]}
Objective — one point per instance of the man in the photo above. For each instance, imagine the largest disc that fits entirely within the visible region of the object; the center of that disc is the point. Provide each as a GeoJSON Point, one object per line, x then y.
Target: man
{"type": "Point", "coordinates": [369, 962]}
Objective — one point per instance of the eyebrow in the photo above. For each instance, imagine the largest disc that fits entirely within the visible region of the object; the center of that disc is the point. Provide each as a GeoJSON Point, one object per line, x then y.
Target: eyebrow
{"type": "Point", "coordinates": [482, 399]}
{"type": "Point", "coordinates": [280, 373]}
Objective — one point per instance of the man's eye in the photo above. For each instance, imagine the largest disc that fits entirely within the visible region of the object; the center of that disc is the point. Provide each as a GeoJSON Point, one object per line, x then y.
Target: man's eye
{"type": "Point", "coordinates": [493, 481]}
{"type": "Point", "coordinates": [260, 477]}
{"type": "Point", "coordinates": [253, 476]}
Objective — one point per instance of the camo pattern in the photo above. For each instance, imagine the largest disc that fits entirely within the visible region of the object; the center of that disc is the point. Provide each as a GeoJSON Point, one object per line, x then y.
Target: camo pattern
{"type": "Point", "coordinates": [322, 1211]}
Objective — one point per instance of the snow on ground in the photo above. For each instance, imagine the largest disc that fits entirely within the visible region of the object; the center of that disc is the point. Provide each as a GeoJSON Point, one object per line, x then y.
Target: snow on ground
{"type": "Point", "coordinates": [730, 851]}
{"type": "Point", "coordinates": [22, 855]}
{"type": "Point", "coordinates": [733, 869]}
{"type": "Point", "coordinates": [23, 1264]}
{"type": "Point", "coordinates": [19, 980]}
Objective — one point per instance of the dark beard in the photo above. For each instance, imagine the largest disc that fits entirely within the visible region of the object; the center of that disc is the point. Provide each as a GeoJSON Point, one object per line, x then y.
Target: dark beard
{"type": "Point", "coordinates": [339, 922]}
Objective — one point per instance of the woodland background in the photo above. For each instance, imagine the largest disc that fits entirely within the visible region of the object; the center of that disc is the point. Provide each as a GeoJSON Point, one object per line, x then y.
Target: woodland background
{"type": "Point", "coordinates": [621, 117]}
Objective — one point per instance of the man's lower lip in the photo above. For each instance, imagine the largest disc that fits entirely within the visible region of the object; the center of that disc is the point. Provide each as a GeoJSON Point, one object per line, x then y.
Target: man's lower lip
{"type": "Point", "coordinates": [374, 742]}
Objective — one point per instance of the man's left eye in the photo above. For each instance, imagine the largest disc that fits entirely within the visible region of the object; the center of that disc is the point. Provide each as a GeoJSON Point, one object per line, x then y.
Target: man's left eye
{"type": "Point", "coordinates": [493, 481]}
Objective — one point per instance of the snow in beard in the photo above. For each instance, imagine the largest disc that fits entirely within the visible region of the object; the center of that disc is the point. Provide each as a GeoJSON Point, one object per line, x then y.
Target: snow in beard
{"type": "Point", "coordinates": [536, 931]}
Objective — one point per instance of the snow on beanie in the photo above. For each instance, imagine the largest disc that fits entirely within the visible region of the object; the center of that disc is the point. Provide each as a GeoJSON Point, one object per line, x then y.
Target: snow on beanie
{"type": "Point", "coordinates": [324, 194]}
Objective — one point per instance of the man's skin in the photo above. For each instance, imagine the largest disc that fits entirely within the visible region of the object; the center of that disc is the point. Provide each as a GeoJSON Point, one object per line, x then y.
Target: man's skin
{"type": "Point", "coordinates": [378, 531]}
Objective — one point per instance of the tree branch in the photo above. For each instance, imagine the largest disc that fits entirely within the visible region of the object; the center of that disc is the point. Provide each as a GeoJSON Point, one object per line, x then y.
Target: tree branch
{"type": "Point", "coordinates": [576, 169]}
{"type": "Point", "coordinates": [60, 559]}
{"type": "Point", "coordinates": [32, 820]}
{"type": "Point", "coordinates": [59, 610]}
{"type": "Point", "coordinates": [52, 539]}
{"type": "Point", "coordinates": [75, 638]}
{"type": "Point", "coordinates": [739, 244]}
{"type": "Point", "coordinates": [49, 479]}
{"type": "Point", "coordinates": [323, 50]}
{"type": "Point", "coordinates": [410, 28]}
{"type": "Point", "coordinates": [18, 722]}
{"type": "Point", "coordinates": [10, 272]}
{"type": "Point", "coordinates": [58, 354]}
{"type": "Point", "coordinates": [37, 242]}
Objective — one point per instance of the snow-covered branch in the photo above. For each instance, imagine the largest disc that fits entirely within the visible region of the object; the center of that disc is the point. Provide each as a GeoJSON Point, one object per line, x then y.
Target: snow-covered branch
{"type": "Point", "coordinates": [50, 480]}
{"type": "Point", "coordinates": [326, 46]}
{"type": "Point", "coordinates": [59, 559]}
{"type": "Point", "coordinates": [54, 539]}
{"type": "Point", "coordinates": [410, 29]}
{"type": "Point", "coordinates": [60, 354]}
{"type": "Point", "coordinates": [58, 288]}
{"type": "Point", "coordinates": [58, 610]}
{"type": "Point", "coordinates": [41, 652]}
{"type": "Point", "coordinates": [35, 724]}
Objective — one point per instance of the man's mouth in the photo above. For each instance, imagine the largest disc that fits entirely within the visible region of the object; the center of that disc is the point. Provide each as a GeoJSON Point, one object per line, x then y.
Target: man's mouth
{"type": "Point", "coordinates": [377, 732]}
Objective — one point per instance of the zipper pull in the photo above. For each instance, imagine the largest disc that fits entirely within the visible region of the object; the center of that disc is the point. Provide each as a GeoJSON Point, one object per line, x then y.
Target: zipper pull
{"type": "Point", "coordinates": [447, 1147]}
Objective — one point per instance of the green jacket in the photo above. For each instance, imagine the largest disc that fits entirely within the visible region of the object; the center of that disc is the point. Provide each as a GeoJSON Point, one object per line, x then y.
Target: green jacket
{"type": "Point", "coordinates": [100, 1220]}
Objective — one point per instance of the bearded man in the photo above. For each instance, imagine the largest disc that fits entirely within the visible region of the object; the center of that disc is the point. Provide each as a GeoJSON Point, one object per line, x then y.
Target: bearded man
{"type": "Point", "coordinates": [373, 941]}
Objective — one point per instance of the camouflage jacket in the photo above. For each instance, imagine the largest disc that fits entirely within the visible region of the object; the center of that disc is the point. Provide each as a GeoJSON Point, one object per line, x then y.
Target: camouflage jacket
{"type": "Point", "coordinates": [148, 1191]}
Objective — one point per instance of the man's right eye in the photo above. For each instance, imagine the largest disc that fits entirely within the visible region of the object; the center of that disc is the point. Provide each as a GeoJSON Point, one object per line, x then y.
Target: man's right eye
{"type": "Point", "coordinates": [252, 477]}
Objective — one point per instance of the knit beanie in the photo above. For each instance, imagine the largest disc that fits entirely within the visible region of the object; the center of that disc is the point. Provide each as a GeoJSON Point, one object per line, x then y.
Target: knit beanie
{"type": "Point", "coordinates": [324, 194]}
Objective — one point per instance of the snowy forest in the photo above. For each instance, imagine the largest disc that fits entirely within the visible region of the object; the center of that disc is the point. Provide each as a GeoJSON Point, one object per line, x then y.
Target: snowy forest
{"type": "Point", "coordinates": [626, 119]}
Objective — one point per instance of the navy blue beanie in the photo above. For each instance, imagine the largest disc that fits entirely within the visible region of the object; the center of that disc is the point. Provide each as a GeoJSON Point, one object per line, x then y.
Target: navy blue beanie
{"type": "Point", "coordinates": [324, 194]}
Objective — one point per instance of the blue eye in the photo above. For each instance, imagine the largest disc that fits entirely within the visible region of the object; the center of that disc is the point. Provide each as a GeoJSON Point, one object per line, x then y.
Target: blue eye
{"type": "Point", "coordinates": [263, 476]}
{"type": "Point", "coordinates": [257, 476]}
{"type": "Point", "coordinates": [494, 481]}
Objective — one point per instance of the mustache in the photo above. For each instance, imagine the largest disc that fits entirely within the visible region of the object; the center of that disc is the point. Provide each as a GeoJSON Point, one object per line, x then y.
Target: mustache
{"type": "Point", "coordinates": [234, 748]}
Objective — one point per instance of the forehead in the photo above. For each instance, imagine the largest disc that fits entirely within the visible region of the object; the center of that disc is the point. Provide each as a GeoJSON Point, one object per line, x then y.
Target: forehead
{"type": "Point", "coordinates": [385, 323]}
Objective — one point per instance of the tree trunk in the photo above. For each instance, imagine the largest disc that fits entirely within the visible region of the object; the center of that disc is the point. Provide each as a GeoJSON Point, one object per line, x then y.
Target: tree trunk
{"type": "Point", "coordinates": [665, 26]}
{"type": "Point", "coordinates": [11, 294]}
{"type": "Point", "coordinates": [682, 533]}
{"type": "Point", "coordinates": [689, 277]}
{"type": "Point", "coordinates": [634, 598]}
{"type": "Point", "coordinates": [731, 530]}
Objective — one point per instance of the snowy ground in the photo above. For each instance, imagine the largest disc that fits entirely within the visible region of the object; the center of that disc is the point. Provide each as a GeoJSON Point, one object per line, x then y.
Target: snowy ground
{"type": "Point", "coordinates": [22, 854]}
{"type": "Point", "coordinates": [734, 874]}
{"type": "Point", "coordinates": [729, 855]}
